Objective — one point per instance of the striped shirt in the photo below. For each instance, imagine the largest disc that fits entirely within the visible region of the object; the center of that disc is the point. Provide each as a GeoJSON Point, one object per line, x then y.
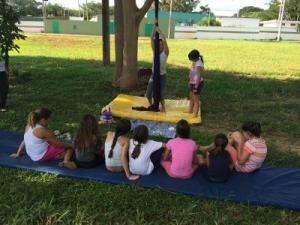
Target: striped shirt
{"type": "Point", "coordinates": [253, 146]}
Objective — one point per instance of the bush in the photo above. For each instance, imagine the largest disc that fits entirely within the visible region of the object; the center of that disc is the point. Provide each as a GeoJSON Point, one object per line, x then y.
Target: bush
{"type": "Point", "coordinates": [209, 22]}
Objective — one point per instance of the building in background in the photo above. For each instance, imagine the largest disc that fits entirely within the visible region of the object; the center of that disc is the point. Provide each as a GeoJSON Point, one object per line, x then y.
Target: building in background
{"type": "Point", "coordinates": [238, 22]}
{"type": "Point", "coordinates": [274, 23]}
{"type": "Point", "coordinates": [180, 17]}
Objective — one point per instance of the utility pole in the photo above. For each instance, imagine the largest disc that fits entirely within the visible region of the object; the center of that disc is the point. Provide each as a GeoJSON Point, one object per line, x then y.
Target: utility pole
{"type": "Point", "coordinates": [170, 17]}
{"type": "Point", "coordinates": [87, 10]}
{"type": "Point", "coordinates": [280, 18]}
{"type": "Point", "coordinates": [44, 13]}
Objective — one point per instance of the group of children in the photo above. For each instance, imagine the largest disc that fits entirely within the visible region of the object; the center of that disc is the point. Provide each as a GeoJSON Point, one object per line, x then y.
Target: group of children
{"type": "Point", "coordinates": [136, 155]}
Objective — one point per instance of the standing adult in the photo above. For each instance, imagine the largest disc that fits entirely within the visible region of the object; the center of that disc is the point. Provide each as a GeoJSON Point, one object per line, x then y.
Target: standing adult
{"type": "Point", "coordinates": [164, 53]}
{"type": "Point", "coordinates": [3, 86]}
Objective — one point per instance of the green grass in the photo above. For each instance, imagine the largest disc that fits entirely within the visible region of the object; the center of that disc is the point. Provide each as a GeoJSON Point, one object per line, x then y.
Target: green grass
{"type": "Point", "coordinates": [244, 80]}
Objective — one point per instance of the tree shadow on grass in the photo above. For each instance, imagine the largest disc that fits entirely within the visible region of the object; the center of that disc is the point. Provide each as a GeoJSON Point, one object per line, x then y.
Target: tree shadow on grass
{"type": "Point", "coordinates": [73, 87]}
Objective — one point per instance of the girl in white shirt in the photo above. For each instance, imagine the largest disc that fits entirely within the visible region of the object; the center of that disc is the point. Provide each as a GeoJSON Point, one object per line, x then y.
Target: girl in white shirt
{"type": "Point", "coordinates": [116, 148]}
{"type": "Point", "coordinates": [41, 144]}
{"type": "Point", "coordinates": [144, 155]}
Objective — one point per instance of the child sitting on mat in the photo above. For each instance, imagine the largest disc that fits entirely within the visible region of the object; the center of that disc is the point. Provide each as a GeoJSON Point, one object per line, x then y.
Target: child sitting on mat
{"type": "Point", "coordinates": [116, 148]}
{"type": "Point", "coordinates": [88, 144]}
{"type": "Point", "coordinates": [217, 163]}
{"type": "Point", "coordinates": [180, 157]}
{"type": "Point", "coordinates": [247, 149]}
{"type": "Point", "coordinates": [41, 144]}
{"type": "Point", "coordinates": [144, 155]}
{"type": "Point", "coordinates": [196, 81]}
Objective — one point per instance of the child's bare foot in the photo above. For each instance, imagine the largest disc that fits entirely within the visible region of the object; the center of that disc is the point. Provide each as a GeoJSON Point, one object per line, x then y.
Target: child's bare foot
{"type": "Point", "coordinates": [69, 165]}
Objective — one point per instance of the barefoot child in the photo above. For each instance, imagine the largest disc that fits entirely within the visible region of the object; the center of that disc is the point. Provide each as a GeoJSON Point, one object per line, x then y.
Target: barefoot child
{"type": "Point", "coordinates": [116, 149]}
{"type": "Point", "coordinates": [88, 144]}
{"type": "Point", "coordinates": [247, 149]}
{"type": "Point", "coordinates": [180, 157]}
{"type": "Point", "coordinates": [196, 81]}
{"type": "Point", "coordinates": [217, 163]}
{"type": "Point", "coordinates": [144, 155]}
{"type": "Point", "coordinates": [41, 144]}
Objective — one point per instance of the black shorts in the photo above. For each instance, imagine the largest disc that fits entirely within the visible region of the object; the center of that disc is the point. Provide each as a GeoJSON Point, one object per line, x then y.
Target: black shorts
{"type": "Point", "coordinates": [197, 90]}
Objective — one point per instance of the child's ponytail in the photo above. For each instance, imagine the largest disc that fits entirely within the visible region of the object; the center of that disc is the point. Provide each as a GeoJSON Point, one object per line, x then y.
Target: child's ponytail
{"type": "Point", "coordinates": [122, 128]}
{"type": "Point", "coordinates": [35, 117]}
{"type": "Point", "coordinates": [136, 151]}
{"type": "Point", "coordinates": [32, 119]}
{"type": "Point", "coordinates": [141, 134]}
{"type": "Point", "coordinates": [221, 142]}
{"type": "Point", "coordinates": [201, 58]}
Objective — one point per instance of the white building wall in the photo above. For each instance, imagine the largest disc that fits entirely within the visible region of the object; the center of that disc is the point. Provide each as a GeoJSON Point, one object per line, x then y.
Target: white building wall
{"type": "Point", "coordinates": [239, 22]}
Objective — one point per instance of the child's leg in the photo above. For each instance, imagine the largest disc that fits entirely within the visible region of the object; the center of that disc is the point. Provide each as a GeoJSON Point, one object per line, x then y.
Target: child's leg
{"type": "Point", "coordinates": [68, 159]}
{"type": "Point", "coordinates": [196, 104]}
{"type": "Point", "coordinates": [149, 92]}
{"type": "Point", "coordinates": [191, 102]}
{"type": "Point", "coordinates": [163, 105]}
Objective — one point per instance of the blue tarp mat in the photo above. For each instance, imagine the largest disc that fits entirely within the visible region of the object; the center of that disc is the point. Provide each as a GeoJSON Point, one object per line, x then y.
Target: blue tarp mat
{"type": "Point", "coordinates": [278, 187]}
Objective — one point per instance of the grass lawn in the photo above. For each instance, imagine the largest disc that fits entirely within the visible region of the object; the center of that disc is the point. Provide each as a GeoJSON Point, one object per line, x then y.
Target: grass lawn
{"type": "Point", "coordinates": [244, 80]}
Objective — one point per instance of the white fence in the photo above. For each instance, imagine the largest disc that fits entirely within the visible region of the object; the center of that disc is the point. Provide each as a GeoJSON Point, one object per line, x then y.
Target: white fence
{"type": "Point", "coordinates": [234, 33]}
{"type": "Point", "coordinates": [32, 26]}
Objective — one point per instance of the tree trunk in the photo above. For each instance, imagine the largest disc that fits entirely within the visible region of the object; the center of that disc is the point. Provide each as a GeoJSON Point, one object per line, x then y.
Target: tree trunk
{"type": "Point", "coordinates": [105, 32]}
{"type": "Point", "coordinates": [128, 79]}
{"type": "Point", "coordinates": [119, 40]}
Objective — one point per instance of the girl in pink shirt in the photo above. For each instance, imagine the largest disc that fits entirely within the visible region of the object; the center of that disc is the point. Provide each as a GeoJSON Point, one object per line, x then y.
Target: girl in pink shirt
{"type": "Point", "coordinates": [247, 149]}
{"type": "Point", "coordinates": [180, 157]}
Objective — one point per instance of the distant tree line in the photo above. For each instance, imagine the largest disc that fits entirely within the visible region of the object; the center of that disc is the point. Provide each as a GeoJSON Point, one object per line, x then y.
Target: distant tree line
{"type": "Point", "coordinates": [292, 11]}
{"type": "Point", "coordinates": [34, 8]}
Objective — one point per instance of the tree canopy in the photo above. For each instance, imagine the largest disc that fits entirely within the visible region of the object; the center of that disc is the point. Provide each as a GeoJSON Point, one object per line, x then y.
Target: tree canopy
{"type": "Point", "coordinates": [179, 5]}
{"type": "Point", "coordinates": [292, 11]}
{"type": "Point", "coordinates": [27, 7]}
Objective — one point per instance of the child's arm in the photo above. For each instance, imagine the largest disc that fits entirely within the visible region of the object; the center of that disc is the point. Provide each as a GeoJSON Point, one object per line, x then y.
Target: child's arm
{"type": "Point", "coordinates": [20, 151]}
{"type": "Point", "coordinates": [124, 158]}
{"type": "Point", "coordinates": [164, 41]}
{"type": "Point", "coordinates": [52, 140]}
{"type": "Point", "coordinates": [207, 148]}
{"type": "Point", "coordinates": [243, 156]}
{"type": "Point", "coordinates": [21, 148]}
{"type": "Point", "coordinates": [166, 153]}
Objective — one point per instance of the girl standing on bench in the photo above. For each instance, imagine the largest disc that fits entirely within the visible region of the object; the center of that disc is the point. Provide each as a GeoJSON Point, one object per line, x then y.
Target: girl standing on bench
{"type": "Point", "coordinates": [88, 144]}
{"type": "Point", "coordinates": [247, 149]}
{"type": "Point", "coordinates": [144, 154]}
{"type": "Point", "coordinates": [196, 81]}
{"type": "Point", "coordinates": [180, 157]}
{"type": "Point", "coordinates": [41, 144]}
{"type": "Point", "coordinates": [116, 149]}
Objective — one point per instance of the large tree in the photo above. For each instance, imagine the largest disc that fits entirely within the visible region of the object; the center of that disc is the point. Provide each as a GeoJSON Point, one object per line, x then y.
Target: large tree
{"type": "Point", "coordinates": [249, 11]}
{"type": "Point", "coordinates": [179, 5]}
{"type": "Point", "coordinates": [9, 31]}
{"type": "Point", "coordinates": [292, 10]}
{"type": "Point", "coordinates": [27, 7]}
{"type": "Point", "coordinates": [132, 17]}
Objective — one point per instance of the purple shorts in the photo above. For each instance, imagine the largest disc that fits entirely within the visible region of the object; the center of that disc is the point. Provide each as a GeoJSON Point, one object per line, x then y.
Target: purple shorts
{"type": "Point", "coordinates": [53, 153]}
{"type": "Point", "coordinates": [197, 90]}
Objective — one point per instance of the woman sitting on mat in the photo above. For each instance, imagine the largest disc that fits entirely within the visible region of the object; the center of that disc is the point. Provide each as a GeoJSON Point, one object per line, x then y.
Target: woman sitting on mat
{"type": "Point", "coordinates": [116, 148]}
{"type": "Point", "coordinates": [217, 163]}
{"type": "Point", "coordinates": [180, 157]}
{"type": "Point", "coordinates": [164, 53]}
{"type": "Point", "coordinates": [88, 144]}
{"type": "Point", "coordinates": [144, 154]}
{"type": "Point", "coordinates": [41, 144]}
{"type": "Point", "coordinates": [196, 81]}
{"type": "Point", "coordinates": [247, 149]}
